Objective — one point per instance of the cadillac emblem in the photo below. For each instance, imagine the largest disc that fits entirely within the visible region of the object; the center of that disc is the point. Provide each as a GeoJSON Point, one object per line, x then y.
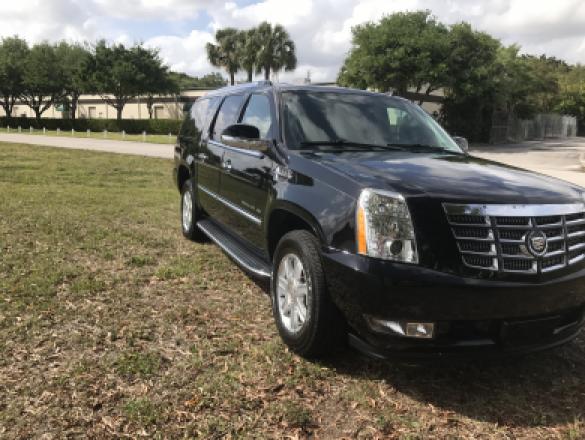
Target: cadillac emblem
{"type": "Point", "coordinates": [536, 243]}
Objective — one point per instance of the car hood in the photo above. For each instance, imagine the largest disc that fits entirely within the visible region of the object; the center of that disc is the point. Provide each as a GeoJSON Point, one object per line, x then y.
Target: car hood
{"type": "Point", "coordinates": [448, 177]}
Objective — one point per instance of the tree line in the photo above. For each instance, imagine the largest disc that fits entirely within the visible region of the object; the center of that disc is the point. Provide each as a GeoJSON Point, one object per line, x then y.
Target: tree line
{"type": "Point", "coordinates": [45, 74]}
{"type": "Point", "coordinates": [262, 49]}
{"type": "Point", "coordinates": [414, 52]}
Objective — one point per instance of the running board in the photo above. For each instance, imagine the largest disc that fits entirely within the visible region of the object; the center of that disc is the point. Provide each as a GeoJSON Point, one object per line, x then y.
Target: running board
{"type": "Point", "coordinates": [235, 250]}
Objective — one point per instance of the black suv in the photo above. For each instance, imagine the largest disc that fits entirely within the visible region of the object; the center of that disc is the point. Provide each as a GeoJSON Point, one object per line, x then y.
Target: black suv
{"type": "Point", "coordinates": [374, 226]}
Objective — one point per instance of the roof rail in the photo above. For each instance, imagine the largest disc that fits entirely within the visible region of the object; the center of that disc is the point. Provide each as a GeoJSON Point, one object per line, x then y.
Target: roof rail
{"type": "Point", "coordinates": [247, 85]}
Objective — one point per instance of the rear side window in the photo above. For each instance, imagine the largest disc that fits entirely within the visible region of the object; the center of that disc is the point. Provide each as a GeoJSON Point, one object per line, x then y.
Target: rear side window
{"type": "Point", "coordinates": [199, 113]}
{"type": "Point", "coordinates": [228, 114]}
{"type": "Point", "coordinates": [258, 114]}
{"type": "Point", "coordinates": [197, 119]}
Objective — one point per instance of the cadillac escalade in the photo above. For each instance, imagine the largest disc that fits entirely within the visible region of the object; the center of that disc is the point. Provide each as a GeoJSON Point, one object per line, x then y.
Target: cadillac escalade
{"type": "Point", "coordinates": [375, 227]}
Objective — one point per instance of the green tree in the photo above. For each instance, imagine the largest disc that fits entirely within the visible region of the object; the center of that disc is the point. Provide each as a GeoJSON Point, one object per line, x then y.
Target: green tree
{"type": "Point", "coordinates": [208, 81]}
{"type": "Point", "coordinates": [226, 53]}
{"type": "Point", "coordinates": [277, 50]}
{"type": "Point", "coordinates": [211, 80]}
{"type": "Point", "coordinates": [120, 74]}
{"type": "Point", "coordinates": [404, 50]}
{"type": "Point", "coordinates": [43, 79]}
{"type": "Point", "coordinates": [548, 72]}
{"type": "Point", "coordinates": [13, 53]}
{"type": "Point", "coordinates": [471, 60]}
{"type": "Point", "coordinates": [74, 60]}
{"type": "Point", "coordinates": [157, 79]}
{"type": "Point", "coordinates": [572, 95]}
{"type": "Point", "coordinates": [250, 46]}
{"type": "Point", "coordinates": [471, 89]}
{"type": "Point", "coordinates": [521, 83]}
{"type": "Point", "coordinates": [488, 79]}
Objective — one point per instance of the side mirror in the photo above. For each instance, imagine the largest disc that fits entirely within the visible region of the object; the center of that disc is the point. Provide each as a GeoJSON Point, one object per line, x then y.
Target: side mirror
{"type": "Point", "coordinates": [244, 136]}
{"type": "Point", "coordinates": [462, 142]}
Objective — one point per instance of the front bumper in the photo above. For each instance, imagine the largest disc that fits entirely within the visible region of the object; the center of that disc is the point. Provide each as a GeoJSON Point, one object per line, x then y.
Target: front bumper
{"type": "Point", "coordinates": [470, 315]}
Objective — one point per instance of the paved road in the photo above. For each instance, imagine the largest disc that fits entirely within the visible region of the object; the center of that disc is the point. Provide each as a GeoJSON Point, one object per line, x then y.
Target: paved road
{"type": "Point", "coordinates": [111, 146]}
{"type": "Point", "coordinates": [564, 159]}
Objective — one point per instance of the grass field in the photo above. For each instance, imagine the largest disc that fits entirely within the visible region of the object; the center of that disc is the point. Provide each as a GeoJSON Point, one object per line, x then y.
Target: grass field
{"type": "Point", "coordinates": [150, 138]}
{"type": "Point", "coordinates": [111, 325]}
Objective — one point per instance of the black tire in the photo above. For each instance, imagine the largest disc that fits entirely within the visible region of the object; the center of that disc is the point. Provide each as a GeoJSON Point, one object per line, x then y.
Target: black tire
{"type": "Point", "coordinates": [324, 330]}
{"type": "Point", "coordinates": [191, 231]}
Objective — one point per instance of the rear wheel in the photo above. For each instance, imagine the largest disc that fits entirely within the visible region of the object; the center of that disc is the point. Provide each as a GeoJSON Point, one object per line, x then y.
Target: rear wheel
{"type": "Point", "coordinates": [307, 320]}
{"type": "Point", "coordinates": [189, 213]}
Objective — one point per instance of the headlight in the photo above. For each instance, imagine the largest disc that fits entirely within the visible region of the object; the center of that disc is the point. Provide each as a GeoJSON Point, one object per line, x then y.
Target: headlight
{"type": "Point", "coordinates": [384, 227]}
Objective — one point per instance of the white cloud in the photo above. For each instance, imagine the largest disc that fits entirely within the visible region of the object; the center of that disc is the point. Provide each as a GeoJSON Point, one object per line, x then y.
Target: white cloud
{"type": "Point", "coordinates": [154, 9]}
{"type": "Point", "coordinates": [287, 13]}
{"type": "Point", "coordinates": [38, 20]}
{"type": "Point", "coordinates": [184, 54]}
{"type": "Point", "coordinates": [320, 28]}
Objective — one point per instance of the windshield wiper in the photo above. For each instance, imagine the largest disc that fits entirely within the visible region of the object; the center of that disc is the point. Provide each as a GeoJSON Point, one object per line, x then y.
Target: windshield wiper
{"type": "Point", "coordinates": [427, 147]}
{"type": "Point", "coordinates": [342, 142]}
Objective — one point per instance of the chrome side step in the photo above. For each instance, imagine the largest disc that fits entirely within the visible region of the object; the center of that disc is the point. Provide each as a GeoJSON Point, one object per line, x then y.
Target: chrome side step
{"type": "Point", "coordinates": [235, 250]}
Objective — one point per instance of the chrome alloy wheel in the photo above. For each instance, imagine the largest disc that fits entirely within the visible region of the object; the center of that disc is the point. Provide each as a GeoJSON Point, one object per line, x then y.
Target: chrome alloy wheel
{"type": "Point", "coordinates": [187, 210]}
{"type": "Point", "coordinates": [293, 292]}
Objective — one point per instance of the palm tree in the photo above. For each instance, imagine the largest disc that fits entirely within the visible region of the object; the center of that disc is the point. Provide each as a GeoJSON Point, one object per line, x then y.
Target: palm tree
{"type": "Point", "coordinates": [250, 47]}
{"type": "Point", "coordinates": [277, 50]}
{"type": "Point", "coordinates": [226, 53]}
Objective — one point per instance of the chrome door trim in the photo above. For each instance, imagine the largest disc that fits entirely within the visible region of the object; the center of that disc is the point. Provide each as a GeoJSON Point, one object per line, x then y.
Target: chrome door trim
{"type": "Point", "coordinates": [230, 205]}
{"type": "Point", "coordinates": [253, 153]}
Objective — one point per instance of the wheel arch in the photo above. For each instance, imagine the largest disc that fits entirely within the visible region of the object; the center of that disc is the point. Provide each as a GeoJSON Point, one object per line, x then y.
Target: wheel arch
{"type": "Point", "coordinates": [183, 173]}
{"type": "Point", "coordinates": [285, 217]}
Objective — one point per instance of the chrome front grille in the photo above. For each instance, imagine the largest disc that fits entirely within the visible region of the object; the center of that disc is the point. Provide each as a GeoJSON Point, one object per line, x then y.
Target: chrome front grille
{"type": "Point", "coordinates": [507, 238]}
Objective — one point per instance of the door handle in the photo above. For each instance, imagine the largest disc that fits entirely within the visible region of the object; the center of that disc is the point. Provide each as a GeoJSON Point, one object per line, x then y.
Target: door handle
{"type": "Point", "coordinates": [202, 156]}
{"type": "Point", "coordinates": [227, 164]}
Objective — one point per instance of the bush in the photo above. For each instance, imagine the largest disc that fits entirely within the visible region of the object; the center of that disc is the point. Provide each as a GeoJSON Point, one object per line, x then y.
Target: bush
{"type": "Point", "coordinates": [470, 117]}
{"type": "Point", "coordinates": [130, 126]}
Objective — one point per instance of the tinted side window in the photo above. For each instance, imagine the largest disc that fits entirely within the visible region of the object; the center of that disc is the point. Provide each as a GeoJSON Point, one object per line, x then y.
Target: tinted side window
{"type": "Point", "coordinates": [228, 114]}
{"type": "Point", "coordinates": [197, 119]}
{"type": "Point", "coordinates": [187, 129]}
{"type": "Point", "coordinates": [199, 113]}
{"type": "Point", "coordinates": [258, 114]}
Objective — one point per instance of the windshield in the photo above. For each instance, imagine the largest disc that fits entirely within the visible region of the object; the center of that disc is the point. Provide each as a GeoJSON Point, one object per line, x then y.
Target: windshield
{"type": "Point", "coordinates": [355, 119]}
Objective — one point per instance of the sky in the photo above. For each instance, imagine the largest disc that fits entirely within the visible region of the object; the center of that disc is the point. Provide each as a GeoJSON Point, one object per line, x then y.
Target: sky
{"type": "Point", "coordinates": [321, 29]}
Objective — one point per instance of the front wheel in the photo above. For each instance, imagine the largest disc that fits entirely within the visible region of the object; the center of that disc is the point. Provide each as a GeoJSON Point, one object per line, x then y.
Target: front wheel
{"type": "Point", "coordinates": [307, 320]}
{"type": "Point", "coordinates": [189, 213]}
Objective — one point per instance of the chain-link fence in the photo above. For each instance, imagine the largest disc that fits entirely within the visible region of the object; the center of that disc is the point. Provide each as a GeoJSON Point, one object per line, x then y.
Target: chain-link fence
{"type": "Point", "coordinates": [506, 128]}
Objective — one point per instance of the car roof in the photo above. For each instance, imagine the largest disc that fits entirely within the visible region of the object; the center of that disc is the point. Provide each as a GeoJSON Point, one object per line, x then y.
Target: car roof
{"type": "Point", "coordinates": [246, 87]}
{"type": "Point", "coordinates": [283, 87]}
{"type": "Point", "coordinates": [330, 89]}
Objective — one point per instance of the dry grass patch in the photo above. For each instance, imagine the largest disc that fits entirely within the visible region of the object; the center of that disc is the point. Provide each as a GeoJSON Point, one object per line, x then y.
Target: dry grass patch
{"type": "Point", "coordinates": [111, 325]}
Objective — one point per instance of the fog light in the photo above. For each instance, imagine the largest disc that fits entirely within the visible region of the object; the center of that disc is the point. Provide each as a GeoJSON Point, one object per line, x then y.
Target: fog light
{"type": "Point", "coordinates": [423, 330]}
{"type": "Point", "coordinates": [420, 330]}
